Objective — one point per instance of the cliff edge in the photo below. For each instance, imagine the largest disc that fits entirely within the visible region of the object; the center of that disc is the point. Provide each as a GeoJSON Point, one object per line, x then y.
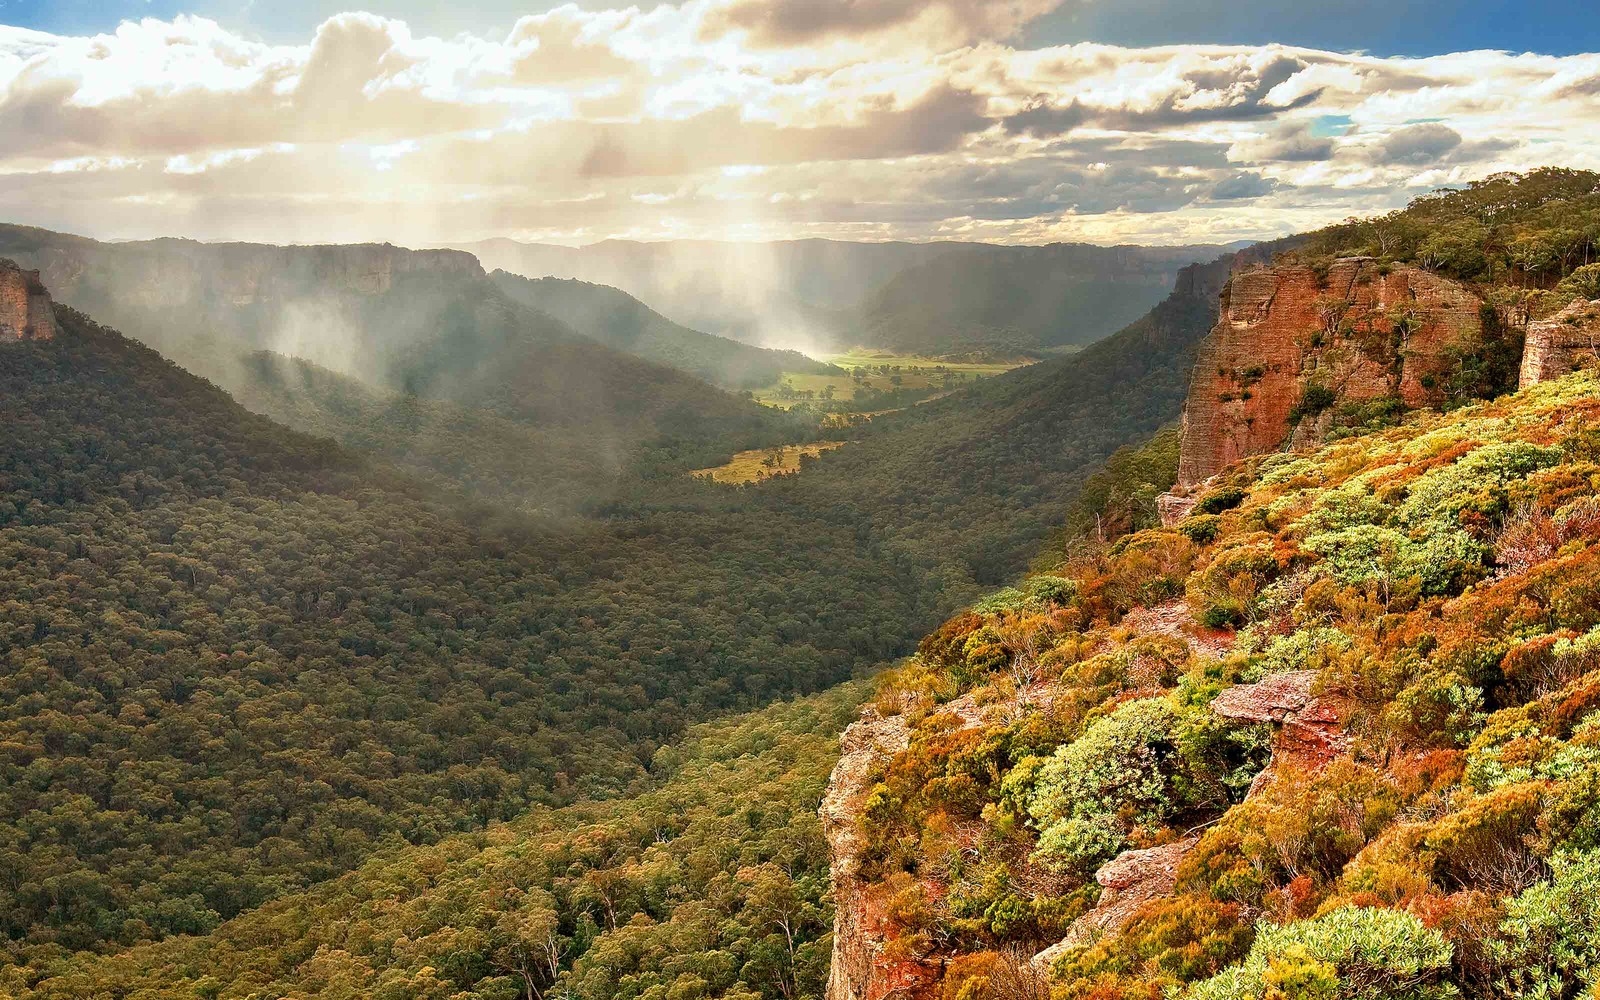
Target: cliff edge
{"type": "Point", "coordinates": [1292, 340]}
{"type": "Point", "coordinates": [26, 312]}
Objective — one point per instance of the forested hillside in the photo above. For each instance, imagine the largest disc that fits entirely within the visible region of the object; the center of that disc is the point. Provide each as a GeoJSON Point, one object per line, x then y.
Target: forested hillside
{"type": "Point", "coordinates": [617, 319]}
{"type": "Point", "coordinates": [986, 473]}
{"type": "Point", "coordinates": [238, 659]}
{"type": "Point", "coordinates": [711, 882]}
{"type": "Point", "coordinates": [241, 660]}
{"type": "Point", "coordinates": [1010, 299]}
{"type": "Point", "coordinates": [429, 327]}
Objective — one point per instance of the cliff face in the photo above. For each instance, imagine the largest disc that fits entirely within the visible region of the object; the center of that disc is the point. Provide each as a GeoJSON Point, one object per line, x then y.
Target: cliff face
{"type": "Point", "coordinates": [1291, 340]}
{"type": "Point", "coordinates": [1557, 345]}
{"type": "Point", "coordinates": [164, 274]}
{"type": "Point", "coordinates": [26, 312]}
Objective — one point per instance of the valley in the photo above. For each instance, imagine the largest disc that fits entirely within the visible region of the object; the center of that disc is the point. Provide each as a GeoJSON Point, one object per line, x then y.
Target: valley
{"type": "Point", "coordinates": [764, 463]}
{"type": "Point", "coordinates": [875, 381]}
{"type": "Point", "coordinates": [799, 500]}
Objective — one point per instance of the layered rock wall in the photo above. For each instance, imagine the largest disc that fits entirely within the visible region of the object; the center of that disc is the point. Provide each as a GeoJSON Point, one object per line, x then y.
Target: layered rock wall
{"type": "Point", "coordinates": [26, 312]}
{"type": "Point", "coordinates": [167, 274]}
{"type": "Point", "coordinates": [1357, 332]}
{"type": "Point", "coordinates": [861, 928]}
{"type": "Point", "coordinates": [1558, 345]}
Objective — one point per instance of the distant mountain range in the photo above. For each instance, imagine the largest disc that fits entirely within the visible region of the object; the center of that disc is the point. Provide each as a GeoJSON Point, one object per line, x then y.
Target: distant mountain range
{"type": "Point", "coordinates": [186, 297]}
{"type": "Point", "coordinates": [819, 295]}
{"type": "Point", "coordinates": [423, 358]}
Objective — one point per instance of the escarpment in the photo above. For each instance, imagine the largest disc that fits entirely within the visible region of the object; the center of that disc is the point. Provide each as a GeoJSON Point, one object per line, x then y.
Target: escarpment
{"type": "Point", "coordinates": [1292, 340]}
{"type": "Point", "coordinates": [26, 312]}
{"type": "Point", "coordinates": [176, 273]}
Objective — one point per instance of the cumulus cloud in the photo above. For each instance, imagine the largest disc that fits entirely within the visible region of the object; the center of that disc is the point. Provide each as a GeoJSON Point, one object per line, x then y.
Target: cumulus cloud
{"type": "Point", "coordinates": [801, 22]}
{"type": "Point", "coordinates": [1235, 89]}
{"type": "Point", "coordinates": [1245, 184]}
{"type": "Point", "coordinates": [757, 118]}
{"type": "Point", "coordinates": [1292, 142]}
{"type": "Point", "coordinates": [1418, 144]}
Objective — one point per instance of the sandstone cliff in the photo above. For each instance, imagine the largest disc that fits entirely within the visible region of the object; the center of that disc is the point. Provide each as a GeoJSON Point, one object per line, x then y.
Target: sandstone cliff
{"type": "Point", "coordinates": [174, 273]}
{"type": "Point", "coordinates": [1561, 343]}
{"type": "Point", "coordinates": [26, 312]}
{"type": "Point", "coordinates": [1292, 340]}
{"type": "Point", "coordinates": [861, 929]}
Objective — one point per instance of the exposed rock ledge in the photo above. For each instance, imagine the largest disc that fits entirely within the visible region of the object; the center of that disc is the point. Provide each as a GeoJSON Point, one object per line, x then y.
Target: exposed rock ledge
{"type": "Point", "coordinates": [1361, 331]}
{"type": "Point", "coordinates": [26, 312]}
{"type": "Point", "coordinates": [1561, 343]}
{"type": "Point", "coordinates": [858, 929]}
{"type": "Point", "coordinates": [1311, 731]}
{"type": "Point", "coordinates": [1127, 881]}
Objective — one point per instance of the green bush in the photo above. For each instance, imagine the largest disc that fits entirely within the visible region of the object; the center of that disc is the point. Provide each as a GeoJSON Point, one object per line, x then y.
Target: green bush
{"type": "Point", "coordinates": [1119, 767]}
{"type": "Point", "coordinates": [1445, 561]}
{"type": "Point", "coordinates": [1219, 500]}
{"type": "Point", "coordinates": [1440, 495]}
{"type": "Point", "coordinates": [1314, 398]}
{"type": "Point", "coordinates": [1051, 589]}
{"type": "Point", "coordinates": [1006, 599]}
{"type": "Point", "coordinates": [1346, 954]}
{"type": "Point", "coordinates": [1584, 281]}
{"type": "Point", "coordinates": [1549, 945]}
{"type": "Point", "coordinates": [1201, 528]}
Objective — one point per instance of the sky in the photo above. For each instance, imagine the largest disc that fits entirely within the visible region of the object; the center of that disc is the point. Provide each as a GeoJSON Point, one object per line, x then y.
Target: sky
{"type": "Point", "coordinates": [1140, 121]}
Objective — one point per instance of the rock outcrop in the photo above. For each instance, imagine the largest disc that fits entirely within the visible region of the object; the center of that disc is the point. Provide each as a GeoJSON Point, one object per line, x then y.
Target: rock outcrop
{"type": "Point", "coordinates": [1310, 727]}
{"type": "Point", "coordinates": [1558, 345]}
{"type": "Point", "coordinates": [26, 312]}
{"type": "Point", "coordinates": [1127, 882]}
{"type": "Point", "coordinates": [861, 929]}
{"type": "Point", "coordinates": [1292, 340]}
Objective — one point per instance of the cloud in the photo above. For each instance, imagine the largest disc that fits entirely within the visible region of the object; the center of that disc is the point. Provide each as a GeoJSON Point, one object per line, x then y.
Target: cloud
{"type": "Point", "coordinates": [1235, 89]}
{"type": "Point", "coordinates": [1243, 185]}
{"type": "Point", "coordinates": [802, 22]}
{"type": "Point", "coordinates": [844, 118]}
{"type": "Point", "coordinates": [1418, 144]}
{"type": "Point", "coordinates": [1292, 142]}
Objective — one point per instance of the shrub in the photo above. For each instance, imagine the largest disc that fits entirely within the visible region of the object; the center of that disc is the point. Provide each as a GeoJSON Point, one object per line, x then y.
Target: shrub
{"type": "Point", "coordinates": [1051, 589]}
{"type": "Point", "coordinates": [983, 653]}
{"type": "Point", "coordinates": [1350, 953]}
{"type": "Point", "coordinates": [1477, 479]}
{"type": "Point", "coordinates": [1314, 398]}
{"type": "Point", "coordinates": [1219, 500]}
{"type": "Point", "coordinates": [1549, 945]}
{"type": "Point", "coordinates": [1443, 563]}
{"type": "Point", "coordinates": [944, 647]}
{"type": "Point", "coordinates": [1437, 709]}
{"type": "Point", "coordinates": [1224, 592]}
{"type": "Point", "coordinates": [1007, 599]}
{"type": "Point", "coordinates": [1201, 528]}
{"type": "Point", "coordinates": [1179, 939]}
{"type": "Point", "coordinates": [1489, 842]}
{"type": "Point", "coordinates": [1584, 281]}
{"type": "Point", "coordinates": [1302, 649]}
{"type": "Point", "coordinates": [1118, 768]}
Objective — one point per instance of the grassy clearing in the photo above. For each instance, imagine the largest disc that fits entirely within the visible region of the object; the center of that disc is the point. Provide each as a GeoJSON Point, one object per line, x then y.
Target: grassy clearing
{"type": "Point", "coordinates": [764, 463]}
{"type": "Point", "coordinates": [881, 379]}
